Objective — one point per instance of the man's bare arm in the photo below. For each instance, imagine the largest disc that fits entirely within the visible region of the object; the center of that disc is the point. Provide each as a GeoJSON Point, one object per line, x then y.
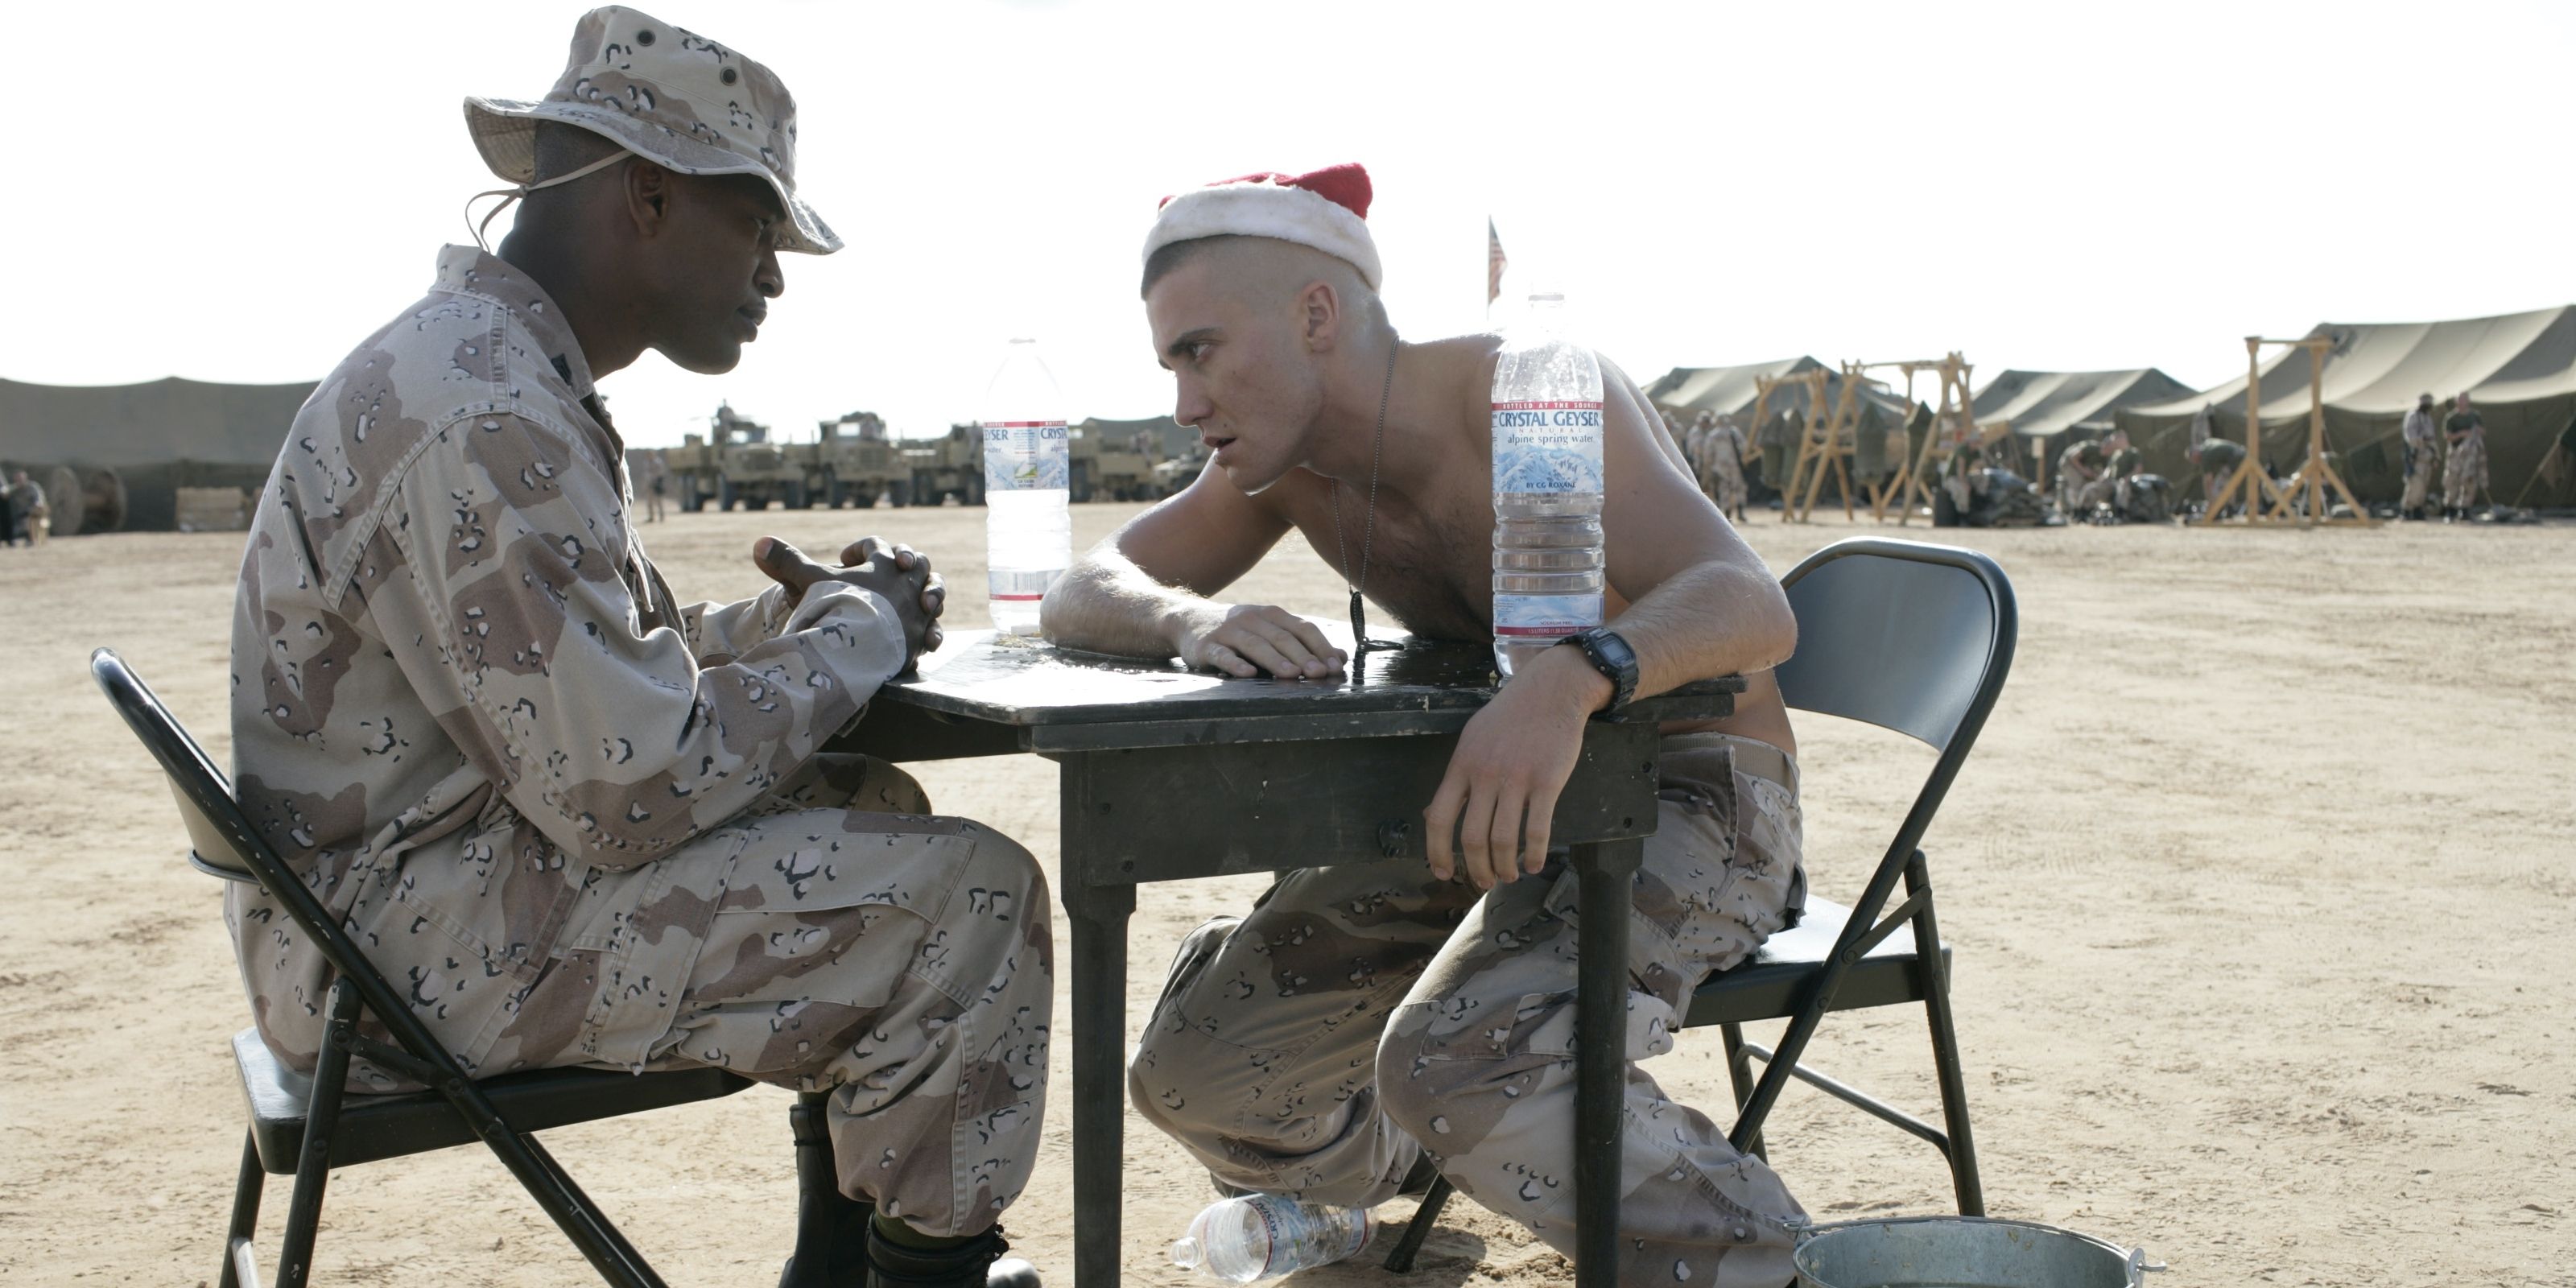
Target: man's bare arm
{"type": "Point", "coordinates": [1701, 606]}
{"type": "Point", "coordinates": [1145, 592]}
{"type": "Point", "coordinates": [1701, 602]}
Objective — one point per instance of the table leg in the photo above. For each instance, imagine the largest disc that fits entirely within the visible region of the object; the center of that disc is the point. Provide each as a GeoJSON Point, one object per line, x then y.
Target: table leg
{"type": "Point", "coordinates": [1606, 873]}
{"type": "Point", "coordinates": [1099, 915]}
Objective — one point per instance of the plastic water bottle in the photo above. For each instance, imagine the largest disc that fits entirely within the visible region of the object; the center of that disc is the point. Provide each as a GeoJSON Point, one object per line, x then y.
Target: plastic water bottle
{"type": "Point", "coordinates": [1028, 532]}
{"type": "Point", "coordinates": [1264, 1236]}
{"type": "Point", "coordinates": [1547, 488]}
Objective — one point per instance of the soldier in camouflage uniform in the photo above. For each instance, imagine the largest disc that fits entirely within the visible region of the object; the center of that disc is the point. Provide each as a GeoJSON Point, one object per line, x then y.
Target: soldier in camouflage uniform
{"type": "Point", "coordinates": [1721, 466]}
{"type": "Point", "coordinates": [1363, 1016]}
{"type": "Point", "coordinates": [2464, 459]}
{"type": "Point", "coordinates": [580, 823]}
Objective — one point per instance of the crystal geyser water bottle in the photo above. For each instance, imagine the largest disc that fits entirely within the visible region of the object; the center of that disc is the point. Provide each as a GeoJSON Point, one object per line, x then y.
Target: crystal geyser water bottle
{"type": "Point", "coordinates": [1547, 487]}
{"type": "Point", "coordinates": [1028, 533]}
{"type": "Point", "coordinates": [1264, 1236]}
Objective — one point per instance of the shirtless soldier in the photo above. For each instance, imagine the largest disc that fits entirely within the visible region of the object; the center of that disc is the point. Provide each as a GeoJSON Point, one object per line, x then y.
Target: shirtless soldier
{"type": "Point", "coordinates": [1361, 1019]}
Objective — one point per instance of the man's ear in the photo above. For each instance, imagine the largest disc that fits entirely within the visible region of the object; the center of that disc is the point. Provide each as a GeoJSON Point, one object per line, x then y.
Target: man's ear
{"type": "Point", "coordinates": [648, 197]}
{"type": "Point", "coordinates": [1319, 315]}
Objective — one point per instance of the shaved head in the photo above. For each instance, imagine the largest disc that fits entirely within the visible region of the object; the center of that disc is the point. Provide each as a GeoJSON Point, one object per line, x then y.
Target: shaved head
{"type": "Point", "coordinates": [1265, 268]}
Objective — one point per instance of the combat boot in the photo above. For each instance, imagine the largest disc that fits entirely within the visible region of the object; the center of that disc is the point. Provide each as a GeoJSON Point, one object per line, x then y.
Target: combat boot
{"type": "Point", "coordinates": [834, 1232]}
{"type": "Point", "coordinates": [831, 1227]}
{"type": "Point", "coordinates": [976, 1263]}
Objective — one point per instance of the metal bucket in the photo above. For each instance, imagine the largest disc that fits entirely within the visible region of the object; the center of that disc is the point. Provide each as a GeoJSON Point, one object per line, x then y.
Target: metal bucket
{"type": "Point", "coordinates": [1962, 1252]}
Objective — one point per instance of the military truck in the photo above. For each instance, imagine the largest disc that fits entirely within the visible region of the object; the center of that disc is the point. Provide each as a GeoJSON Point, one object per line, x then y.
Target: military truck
{"type": "Point", "coordinates": [1115, 458]}
{"type": "Point", "coordinates": [1184, 456]}
{"type": "Point", "coordinates": [737, 466]}
{"type": "Point", "coordinates": [946, 467]}
{"type": "Point", "coordinates": [857, 461]}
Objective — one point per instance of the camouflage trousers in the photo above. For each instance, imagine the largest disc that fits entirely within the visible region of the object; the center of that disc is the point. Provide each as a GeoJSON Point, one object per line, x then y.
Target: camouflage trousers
{"type": "Point", "coordinates": [835, 937]}
{"type": "Point", "coordinates": [2463, 474]}
{"type": "Point", "coordinates": [1363, 1014]}
{"type": "Point", "coordinates": [1723, 480]}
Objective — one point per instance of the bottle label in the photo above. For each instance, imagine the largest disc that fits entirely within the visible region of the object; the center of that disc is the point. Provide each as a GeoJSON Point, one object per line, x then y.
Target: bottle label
{"type": "Point", "coordinates": [1548, 447]}
{"type": "Point", "coordinates": [1021, 587]}
{"type": "Point", "coordinates": [1538, 618]}
{"type": "Point", "coordinates": [1024, 456]}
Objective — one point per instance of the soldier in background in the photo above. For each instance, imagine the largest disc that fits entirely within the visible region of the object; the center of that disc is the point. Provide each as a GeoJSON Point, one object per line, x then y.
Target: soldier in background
{"type": "Point", "coordinates": [1721, 464]}
{"type": "Point", "coordinates": [657, 480]}
{"type": "Point", "coordinates": [2080, 477]}
{"type": "Point", "coordinates": [2423, 452]}
{"type": "Point", "coordinates": [30, 519]}
{"type": "Point", "coordinates": [2465, 469]}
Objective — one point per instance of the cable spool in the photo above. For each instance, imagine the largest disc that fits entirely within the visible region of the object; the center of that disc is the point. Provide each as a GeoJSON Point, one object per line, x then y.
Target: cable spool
{"type": "Point", "coordinates": [63, 500]}
{"type": "Point", "coordinates": [83, 499]}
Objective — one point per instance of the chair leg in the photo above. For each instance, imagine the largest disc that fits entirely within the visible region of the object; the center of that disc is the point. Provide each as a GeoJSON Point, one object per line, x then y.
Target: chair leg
{"type": "Point", "coordinates": [1945, 1044]}
{"type": "Point", "coordinates": [321, 1119]}
{"type": "Point", "coordinates": [1424, 1218]}
{"type": "Point", "coordinates": [247, 1189]}
{"type": "Point", "coordinates": [630, 1269]}
{"type": "Point", "coordinates": [1739, 1070]}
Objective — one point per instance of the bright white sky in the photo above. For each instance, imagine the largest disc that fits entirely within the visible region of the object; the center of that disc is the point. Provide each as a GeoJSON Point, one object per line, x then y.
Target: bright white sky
{"type": "Point", "coordinates": [241, 192]}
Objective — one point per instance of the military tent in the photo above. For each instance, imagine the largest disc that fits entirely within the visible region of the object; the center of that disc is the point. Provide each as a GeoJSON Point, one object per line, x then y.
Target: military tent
{"type": "Point", "coordinates": [2518, 369]}
{"type": "Point", "coordinates": [2049, 409]}
{"type": "Point", "coordinates": [1733, 391]}
{"type": "Point", "coordinates": [157, 437]}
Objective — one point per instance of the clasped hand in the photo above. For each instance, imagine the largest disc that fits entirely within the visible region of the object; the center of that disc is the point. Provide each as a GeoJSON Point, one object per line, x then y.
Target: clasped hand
{"type": "Point", "coordinates": [899, 574]}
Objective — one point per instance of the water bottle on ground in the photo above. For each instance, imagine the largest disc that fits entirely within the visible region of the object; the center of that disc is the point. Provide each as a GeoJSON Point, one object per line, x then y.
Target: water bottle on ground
{"type": "Point", "coordinates": [1264, 1236]}
{"type": "Point", "coordinates": [1028, 532]}
{"type": "Point", "coordinates": [1547, 488]}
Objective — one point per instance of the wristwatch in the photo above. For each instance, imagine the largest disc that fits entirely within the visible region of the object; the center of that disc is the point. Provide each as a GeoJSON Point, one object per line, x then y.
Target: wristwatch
{"type": "Point", "coordinates": [1611, 656]}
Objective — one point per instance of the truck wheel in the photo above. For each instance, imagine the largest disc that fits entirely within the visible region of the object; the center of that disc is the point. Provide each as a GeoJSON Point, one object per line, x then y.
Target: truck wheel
{"type": "Point", "coordinates": [795, 495]}
{"type": "Point", "coordinates": [835, 493]}
{"type": "Point", "coordinates": [899, 493]}
{"type": "Point", "coordinates": [726, 498]}
{"type": "Point", "coordinates": [973, 493]}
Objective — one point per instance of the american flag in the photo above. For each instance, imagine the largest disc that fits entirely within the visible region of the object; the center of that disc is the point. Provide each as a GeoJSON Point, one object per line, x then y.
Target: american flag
{"type": "Point", "coordinates": [1495, 262]}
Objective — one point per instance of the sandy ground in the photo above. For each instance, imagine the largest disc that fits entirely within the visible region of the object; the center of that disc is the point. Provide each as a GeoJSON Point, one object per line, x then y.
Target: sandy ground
{"type": "Point", "coordinates": [2260, 885]}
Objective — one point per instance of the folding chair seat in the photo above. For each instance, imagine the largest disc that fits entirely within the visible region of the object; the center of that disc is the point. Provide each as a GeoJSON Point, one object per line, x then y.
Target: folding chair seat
{"type": "Point", "coordinates": [1914, 638]}
{"type": "Point", "coordinates": [1771, 985]}
{"type": "Point", "coordinates": [373, 1128]}
{"type": "Point", "coordinates": [307, 1125]}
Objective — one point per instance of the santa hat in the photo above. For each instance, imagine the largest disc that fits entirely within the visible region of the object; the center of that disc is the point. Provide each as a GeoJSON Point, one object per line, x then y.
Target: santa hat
{"type": "Point", "coordinates": [1326, 209]}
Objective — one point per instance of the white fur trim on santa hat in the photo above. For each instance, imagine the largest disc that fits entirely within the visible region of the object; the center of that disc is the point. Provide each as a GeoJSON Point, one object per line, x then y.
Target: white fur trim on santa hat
{"type": "Point", "coordinates": [1268, 210]}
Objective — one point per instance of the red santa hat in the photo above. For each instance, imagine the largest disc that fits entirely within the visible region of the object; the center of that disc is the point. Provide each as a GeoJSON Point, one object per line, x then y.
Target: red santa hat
{"type": "Point", "coordinates": [1326, 209]}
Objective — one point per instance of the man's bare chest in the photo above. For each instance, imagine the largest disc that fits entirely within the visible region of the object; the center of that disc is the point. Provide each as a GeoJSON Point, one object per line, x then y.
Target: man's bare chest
{"type": "Point", "coordinates": [1430, 567]}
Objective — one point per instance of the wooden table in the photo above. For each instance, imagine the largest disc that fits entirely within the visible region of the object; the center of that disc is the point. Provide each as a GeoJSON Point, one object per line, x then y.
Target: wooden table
{"type": "Point", "coordinates": [1169, 774]}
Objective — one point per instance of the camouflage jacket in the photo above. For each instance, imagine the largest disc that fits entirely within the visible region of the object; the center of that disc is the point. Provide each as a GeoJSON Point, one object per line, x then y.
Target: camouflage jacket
{"type": "Point", "coordinates": [462, 697]}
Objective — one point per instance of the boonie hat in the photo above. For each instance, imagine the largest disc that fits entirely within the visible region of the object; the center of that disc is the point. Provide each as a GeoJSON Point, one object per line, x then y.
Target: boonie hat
{"type": "Point", "coordinates": [668, 95]}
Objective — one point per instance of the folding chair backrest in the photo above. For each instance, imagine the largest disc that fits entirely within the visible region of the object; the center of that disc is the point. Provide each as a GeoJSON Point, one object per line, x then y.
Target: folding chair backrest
{"type": "Point", "coordinates": [1900, 634]}
{"type": "Point", "coordinates": [218, 831]}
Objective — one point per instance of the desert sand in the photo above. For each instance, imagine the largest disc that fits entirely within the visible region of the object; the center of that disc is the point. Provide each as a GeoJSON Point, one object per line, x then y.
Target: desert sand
{"type": "Point", "coordinates": [2260, 886]}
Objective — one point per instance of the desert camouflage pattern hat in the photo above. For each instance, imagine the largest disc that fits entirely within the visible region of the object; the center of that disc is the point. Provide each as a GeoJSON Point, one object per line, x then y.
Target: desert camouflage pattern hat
{"type": "Point", "coordinates": [668, 95]}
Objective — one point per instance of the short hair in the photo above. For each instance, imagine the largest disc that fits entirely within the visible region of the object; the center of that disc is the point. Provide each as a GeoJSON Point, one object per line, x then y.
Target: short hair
{"type": "Point", "coordinates": [1168, 258]}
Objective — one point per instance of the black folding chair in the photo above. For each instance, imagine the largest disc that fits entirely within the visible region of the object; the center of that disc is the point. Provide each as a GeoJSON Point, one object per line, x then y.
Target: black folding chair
{"type": "Point", "coordinates": [304, 1126]}
{"type": "Point", "coordinates": [1911, 637]}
